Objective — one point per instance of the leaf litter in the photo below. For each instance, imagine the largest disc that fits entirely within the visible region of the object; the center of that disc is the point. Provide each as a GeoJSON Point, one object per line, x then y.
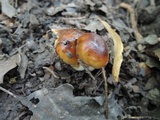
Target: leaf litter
{"type": "Point", "coordinates": [60, 103]}
{"type": "Point", "coordinates": [135, 95]}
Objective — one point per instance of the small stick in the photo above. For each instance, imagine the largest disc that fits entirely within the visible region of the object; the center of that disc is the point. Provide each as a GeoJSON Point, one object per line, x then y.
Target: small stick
{"type": "Point", "coordinates": [8, 92]}
{"type": "Point", "coordinates": [49, 70]}
{"type": "Point", "coordinates": [74, 18]}
{"type": "Point", "coordinates": [137, 34]}
{"type": "Point", "coordinates": [140, 117]}
{"type": "Point", "coordinates": [106, 90]}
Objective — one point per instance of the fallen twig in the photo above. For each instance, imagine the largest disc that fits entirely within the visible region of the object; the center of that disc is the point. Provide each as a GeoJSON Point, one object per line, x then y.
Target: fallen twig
{"type": "Point", "coordinates": [8, 92]}
{"type": "Point", "coordinates": [137, 34]}
{"type": "Point", "coordinates": [49, 70]}
{"type": "Point", "coordinates": [73, 18]}
{"type": "Point", "coordinates": [140, 118]}
{"type": "Point", "coordinates": [106, 90]}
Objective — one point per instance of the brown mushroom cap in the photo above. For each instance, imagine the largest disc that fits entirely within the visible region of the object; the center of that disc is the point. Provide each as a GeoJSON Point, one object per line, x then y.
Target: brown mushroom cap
{"type": "Point", "coordinates": [65, 45]}
{"type": "Point", "coordinates": [92, 50]}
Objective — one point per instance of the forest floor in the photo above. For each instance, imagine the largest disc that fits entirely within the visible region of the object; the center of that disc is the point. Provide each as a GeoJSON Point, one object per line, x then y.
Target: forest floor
{"type": "Point", "coordinates": [36, 84]}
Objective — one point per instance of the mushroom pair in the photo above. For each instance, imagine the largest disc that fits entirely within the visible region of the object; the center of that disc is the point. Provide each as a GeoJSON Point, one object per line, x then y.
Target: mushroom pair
{"type": "Point", "coordinates": [74, 45]}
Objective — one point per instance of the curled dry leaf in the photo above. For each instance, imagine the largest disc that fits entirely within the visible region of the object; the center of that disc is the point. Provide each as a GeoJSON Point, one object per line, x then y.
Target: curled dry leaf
{"type": "Point", "coordinates": [118, 49]}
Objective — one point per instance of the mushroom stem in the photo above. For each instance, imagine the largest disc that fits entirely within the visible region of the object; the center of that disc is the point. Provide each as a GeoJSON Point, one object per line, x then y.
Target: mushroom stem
{"type": "Point", "coordinates": [87, 69]}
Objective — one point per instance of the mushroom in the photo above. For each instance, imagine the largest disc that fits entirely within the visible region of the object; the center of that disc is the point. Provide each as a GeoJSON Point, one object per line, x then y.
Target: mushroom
{"type": "Point", "coordinates": [92, 50]}
{"type": "Point", "coordinates": [80, 49]}
{"type": "Point", "coordinates": [65, 45]}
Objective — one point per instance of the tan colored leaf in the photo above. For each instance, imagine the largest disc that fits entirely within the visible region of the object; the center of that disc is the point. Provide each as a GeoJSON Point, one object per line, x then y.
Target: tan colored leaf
{"type": "Point", "coordinates": [118, 49]}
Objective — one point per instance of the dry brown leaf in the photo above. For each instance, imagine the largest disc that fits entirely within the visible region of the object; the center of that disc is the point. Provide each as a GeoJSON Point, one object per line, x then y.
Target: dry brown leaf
{"type": "Point", "coordinates": [118, 49]}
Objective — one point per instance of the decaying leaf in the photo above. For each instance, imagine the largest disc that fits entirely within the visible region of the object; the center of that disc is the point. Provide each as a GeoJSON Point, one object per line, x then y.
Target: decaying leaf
{"type": "Point", "coordinates": [154, 96]}
{"type": "Point", "coordinates": [157, 53]}
{"type": "Point", "coordinates": [151, 39]}
{"type": "Point", "coordinates": [53, 10]}
{"type": "Point", "coordinates": [151, 83]}
{"type": "Point", "coordinates": [130, 86]}
{"type": "Point", "coordinates": [60, 103]}
{"type": "Point", "coordinates": [89, 2]}
{"type": "Point", "coordinates": [151, 62]}
{"type": "Point", "coordinates": [115, 109]}
{"type": "Point", "coordinates": [104, 9]}
{"type": "Point", "coordinates": [93, 26]}
{"type": "Point", "coordinates": [6, 65]}
{"type": "Point", "coordinates": [8, 9]}
{"type": "Point", "coordinates": [118, 49]}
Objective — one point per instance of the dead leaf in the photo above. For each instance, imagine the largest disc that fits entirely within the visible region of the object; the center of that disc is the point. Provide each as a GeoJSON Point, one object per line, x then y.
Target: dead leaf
{"type": "Point", "coordinates": [8, 9]}
{"type": "Point", "coordinates": [130, 85]}
{"type": "Point", "coordinates": [118, 49]}
{"type": "Point", "coordinates": [115, 109]}
{"type": "Point", "coordinates": [60, 103]}
{"type": "Point", "coordinates": [157, 53]}
{"type": "Point", "coordinates": [104, 9]}
{"type": "Point", "coordinates": [8, 107]}
{"type": "Point", "coordinates": [151, 83]}
{"type": "Point", "coordinates": [93, 26]}
{"type": "Point", "coordinates": [154, 96]}
{"type": "Point", "coordinates": [33, 20]}
{"type": "Point", "coordinates": [89, 2]}
{"type": "Point", "coordinates": [6, 65]}
{"type": "Point", "coordinates": [121, 26]}
{"type": "Point", "coordinates": [151, 62]}
{"type": "Point", "coordinates": [54, 10]}
{"type": "Point", "coordinates": [151, 39]}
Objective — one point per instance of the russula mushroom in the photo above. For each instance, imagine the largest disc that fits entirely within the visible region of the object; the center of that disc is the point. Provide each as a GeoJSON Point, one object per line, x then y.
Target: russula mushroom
{"type": "Point", "coordinates": [65, 45]}
{"type": "Point", "coordinates": [92, 50]}
{"type": "Point", "coordinates": [75, 48]}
